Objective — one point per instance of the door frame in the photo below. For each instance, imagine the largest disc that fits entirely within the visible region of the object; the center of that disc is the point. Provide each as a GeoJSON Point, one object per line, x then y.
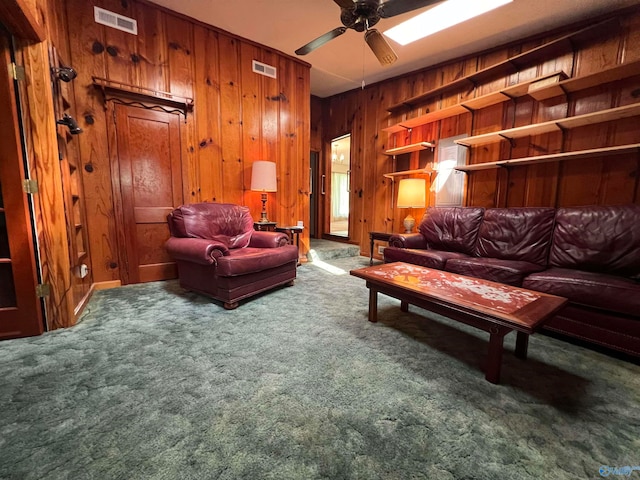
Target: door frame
{"type": "Point", "coordinates": [27, 318]}
{"type": "Point", "coordinates": [326, 211]}
{"type": "Point", "coordinates": [118, 207]}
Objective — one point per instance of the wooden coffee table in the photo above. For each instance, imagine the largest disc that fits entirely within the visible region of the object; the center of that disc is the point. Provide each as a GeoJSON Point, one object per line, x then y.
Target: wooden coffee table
{"type": "Point", "coordinates": [493, 307]}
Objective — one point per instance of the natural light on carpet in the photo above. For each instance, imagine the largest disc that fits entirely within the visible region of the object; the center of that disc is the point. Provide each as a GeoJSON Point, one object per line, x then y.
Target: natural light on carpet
{"type": "Point", "coordinates": [441, 17]}
{"type": "Point", "coordinates": [327, 267]}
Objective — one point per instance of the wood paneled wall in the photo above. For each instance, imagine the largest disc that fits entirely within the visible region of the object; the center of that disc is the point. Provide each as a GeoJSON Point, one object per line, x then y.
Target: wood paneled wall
{"type": "Point", "coordinates": [604, 181]}
{"type": "Point", "coordinates": [239, 116]}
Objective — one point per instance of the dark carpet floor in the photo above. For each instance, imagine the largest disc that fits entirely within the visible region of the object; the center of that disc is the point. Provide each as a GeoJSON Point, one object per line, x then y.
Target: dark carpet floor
{"type": "Point", "coordinates": [159, 383]}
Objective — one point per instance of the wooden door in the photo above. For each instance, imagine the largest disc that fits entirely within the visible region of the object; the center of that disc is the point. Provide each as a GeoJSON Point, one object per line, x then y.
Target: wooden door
{"type": "Point", "coordinates": [20, 312]}
{"type": "Point", "coordinates": [150, 186]}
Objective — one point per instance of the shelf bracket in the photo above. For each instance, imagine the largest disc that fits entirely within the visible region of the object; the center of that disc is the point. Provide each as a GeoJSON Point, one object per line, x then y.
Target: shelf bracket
{"type": "Point", "coordinates": [511, 141]}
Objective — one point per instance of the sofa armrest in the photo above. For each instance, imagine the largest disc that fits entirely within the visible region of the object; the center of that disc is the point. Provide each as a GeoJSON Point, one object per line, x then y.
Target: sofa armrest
{"type": "Point", "coordinates": [196, 250]}
{"type": "Point", "coordinates": [260, 239]}
{"type": "Point", "coordinates": [408, 240]}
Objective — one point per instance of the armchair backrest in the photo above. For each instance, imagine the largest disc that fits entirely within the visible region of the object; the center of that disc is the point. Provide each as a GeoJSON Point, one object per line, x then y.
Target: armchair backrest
{"type": "Point", "coordinates": [451, 228]}
{"type": "Point", "coordinates": [229, 224]}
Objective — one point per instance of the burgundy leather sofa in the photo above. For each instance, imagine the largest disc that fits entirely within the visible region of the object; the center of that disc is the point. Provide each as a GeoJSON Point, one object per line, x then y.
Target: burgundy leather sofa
{"type": "Point", "coordinates": [590, 255]}
{"type": "Point", "coordinates": [219, 254]}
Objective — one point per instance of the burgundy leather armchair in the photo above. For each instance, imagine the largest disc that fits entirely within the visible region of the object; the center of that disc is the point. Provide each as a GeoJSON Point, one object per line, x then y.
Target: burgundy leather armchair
{"type": "Point", "coordinates": [219, 254]}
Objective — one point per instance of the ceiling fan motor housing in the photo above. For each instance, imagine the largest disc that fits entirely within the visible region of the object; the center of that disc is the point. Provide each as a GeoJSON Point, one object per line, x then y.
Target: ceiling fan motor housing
{"type": "Point", "coordinates": [362, 16]}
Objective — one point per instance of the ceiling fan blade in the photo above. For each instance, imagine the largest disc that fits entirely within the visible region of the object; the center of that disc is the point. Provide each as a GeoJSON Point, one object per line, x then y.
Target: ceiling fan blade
{"type": "Point", "coordinates": [380, 47]}
{"type": "Point", "coordinates": [391, 8]}
{"type": "Point", "coordinates": [321, 40]}
{"type": "Point", "coordinates": [344, 3]}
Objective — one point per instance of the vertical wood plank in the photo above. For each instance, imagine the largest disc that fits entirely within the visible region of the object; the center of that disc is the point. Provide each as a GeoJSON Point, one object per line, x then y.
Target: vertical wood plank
{"type": "Point", "coordinates": [208, 142]}
{"type": "Point", "coordinates": [230, 118]}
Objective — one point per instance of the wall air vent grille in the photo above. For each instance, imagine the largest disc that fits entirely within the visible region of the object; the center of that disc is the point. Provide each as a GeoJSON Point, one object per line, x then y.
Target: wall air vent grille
{"type": "Point", "coordinates": [264, 69]}
{"type": "Point", "coordinates": [115, 20]}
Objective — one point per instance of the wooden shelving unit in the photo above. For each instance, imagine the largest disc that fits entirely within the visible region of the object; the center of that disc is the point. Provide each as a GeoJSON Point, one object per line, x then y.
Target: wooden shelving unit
{"type": "Point", "coordinates": [470, 105]}
{"type": "Point", "coordinates": [513, 64]}
{"type": "Point", "coordinates": [554, 157]}
{"type": "Point", "coordinates": [550, 90]}
{"type": "Point", "coordinates": [413, 147]}
{"type": "Point", "coordinates": [553, 125]}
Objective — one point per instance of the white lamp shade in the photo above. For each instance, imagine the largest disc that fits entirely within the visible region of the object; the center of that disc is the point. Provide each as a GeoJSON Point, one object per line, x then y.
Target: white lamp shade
{"type": "Point", "coordinates": [263, 176]}
{"type": "Point", "coordinates": [411, 193]}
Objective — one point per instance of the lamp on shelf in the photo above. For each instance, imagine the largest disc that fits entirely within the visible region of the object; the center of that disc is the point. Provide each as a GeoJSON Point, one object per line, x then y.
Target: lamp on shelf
{"type": "Point", "coordinates": [263, 179]}
{"type": "Point", "coordinates": [411, 194]}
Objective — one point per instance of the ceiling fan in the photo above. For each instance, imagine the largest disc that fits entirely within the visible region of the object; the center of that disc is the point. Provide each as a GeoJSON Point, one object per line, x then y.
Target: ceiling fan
{"type": "Point", "coordinates": [361, 15]}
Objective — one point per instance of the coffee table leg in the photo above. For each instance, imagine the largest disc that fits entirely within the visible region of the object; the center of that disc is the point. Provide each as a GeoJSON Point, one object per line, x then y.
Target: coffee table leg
{"type": "Point", "coordinates": [522, 345]}
{"type": "Point", "coordinates": [373, 305]}
{"type": "Point", "coordinates": [371, 250]}
{"type": "Point", "coordinates": [404, 306]}
{"type": "Point", "coordinates": [494, 357]}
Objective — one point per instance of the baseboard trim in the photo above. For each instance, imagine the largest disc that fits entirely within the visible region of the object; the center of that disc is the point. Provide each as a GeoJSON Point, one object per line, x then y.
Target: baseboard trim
{"type": "Point", "coordinates": [106, 285]}
{"type": "Point", "coordinates": [83, 303]}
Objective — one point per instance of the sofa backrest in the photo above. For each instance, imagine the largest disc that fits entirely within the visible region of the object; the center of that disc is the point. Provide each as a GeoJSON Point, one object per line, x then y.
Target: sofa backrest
{"type": "Point", "coordinates": [451, 228]}
{"type": "Point", "coordinates": [602, 239]}
{"type": "Point", "coordinates": [229, 224]}
{"type": "Point", "coordinates": [516, 234]}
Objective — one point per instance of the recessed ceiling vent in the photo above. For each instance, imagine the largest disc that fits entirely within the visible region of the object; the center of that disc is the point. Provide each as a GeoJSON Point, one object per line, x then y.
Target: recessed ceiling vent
{"type": "Point", "coordinates": [115, 20]}
{"type": "Point", "coordinates": [264, 69]}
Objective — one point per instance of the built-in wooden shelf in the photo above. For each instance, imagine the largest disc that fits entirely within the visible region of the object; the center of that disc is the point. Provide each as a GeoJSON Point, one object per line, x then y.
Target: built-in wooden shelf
{"type": "Point", "coordinates": [553, 125]}
{"type": "Point", "coordinates": [413, 147]}
{"type": "Point", "coordinates": [555, 86]}
{"type": "Point", "coordinates": [572, 85]}
{"type": "Point", "coordinates": [5, 260]}
{"type": "Point", "coordinates": [513, 64]}
{"type": "Point", "coordinates": [419, 171]}
{"type": "Point", "coordinates": [472, 104]}
{"type": "Point", "coordinates": [554, 157]}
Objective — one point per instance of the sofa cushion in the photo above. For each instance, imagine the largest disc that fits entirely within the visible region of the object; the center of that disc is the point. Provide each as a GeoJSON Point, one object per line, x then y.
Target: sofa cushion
{"type": "Point", "coordinates": [511, 272]}
{"type": "Point", "coordinates": [516, 234]}
{"type": "Point", "coordinates": [451, 228]}
{"type": "Point", "coordinates": [598, 239]}
{"type": "Point", "coordinates": [241, 261]}
{"type": "Point", "coordinates": [425, 258]}
{"type": "Point", "coordinates": [231, 225]}
{"type": "Point", "coordinates": [600, 290]}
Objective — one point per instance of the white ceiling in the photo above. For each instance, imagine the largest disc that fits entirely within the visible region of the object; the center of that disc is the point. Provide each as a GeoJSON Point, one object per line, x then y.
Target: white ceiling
{"type": "Point", "coordinates": [342, 63]}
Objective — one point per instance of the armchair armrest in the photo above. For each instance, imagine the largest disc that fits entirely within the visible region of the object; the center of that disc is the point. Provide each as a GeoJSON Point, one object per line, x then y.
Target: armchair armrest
{"type": "Point", "coordinates": [196, 250]}
{"type": "Point", "coordinates": [408, 240]}
{"type": "Point", "coordinates": [261, 239]}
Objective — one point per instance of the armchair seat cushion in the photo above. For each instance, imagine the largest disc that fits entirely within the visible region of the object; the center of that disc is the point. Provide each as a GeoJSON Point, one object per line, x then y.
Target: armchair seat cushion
{"type": "Point", "coordinates": [511, 272]}
{"type": "Point", "coordinates": [600, 290]}
{"type": "Point", "coordinates": [242, 261]}
{"type": "Point", "coordinates": [425, 258]}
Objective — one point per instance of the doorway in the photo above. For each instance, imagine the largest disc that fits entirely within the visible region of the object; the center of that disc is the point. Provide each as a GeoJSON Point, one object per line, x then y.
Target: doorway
{"type": "Point", "coordinates": [339, 205]}
{"type": "Point", "coordinates": [149, 186]}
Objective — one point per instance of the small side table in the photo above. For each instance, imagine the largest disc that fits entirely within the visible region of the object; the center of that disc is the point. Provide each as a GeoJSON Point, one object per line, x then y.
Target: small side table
{"type": "Point", "coordinates": [265, 226]}
{"type": "Point", "coordinates": [377, 236]}
{"type": "Point", "coordinates": [291, 231]}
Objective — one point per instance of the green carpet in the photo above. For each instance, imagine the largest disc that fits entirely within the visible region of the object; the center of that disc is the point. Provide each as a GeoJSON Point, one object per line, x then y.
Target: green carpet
{"type": "Point", "coordinates": [159, 383]}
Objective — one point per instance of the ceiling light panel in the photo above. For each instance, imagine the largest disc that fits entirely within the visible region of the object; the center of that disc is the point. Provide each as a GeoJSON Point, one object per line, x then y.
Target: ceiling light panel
{"type": "Point", "coordinates": [441, 17]}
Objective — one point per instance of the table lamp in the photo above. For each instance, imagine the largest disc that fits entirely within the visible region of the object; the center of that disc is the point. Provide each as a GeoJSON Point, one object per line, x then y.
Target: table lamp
{"type": "Point", "coordinates": [263, 179]}
{"type": "Point", "coordinates": [411, 194]}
